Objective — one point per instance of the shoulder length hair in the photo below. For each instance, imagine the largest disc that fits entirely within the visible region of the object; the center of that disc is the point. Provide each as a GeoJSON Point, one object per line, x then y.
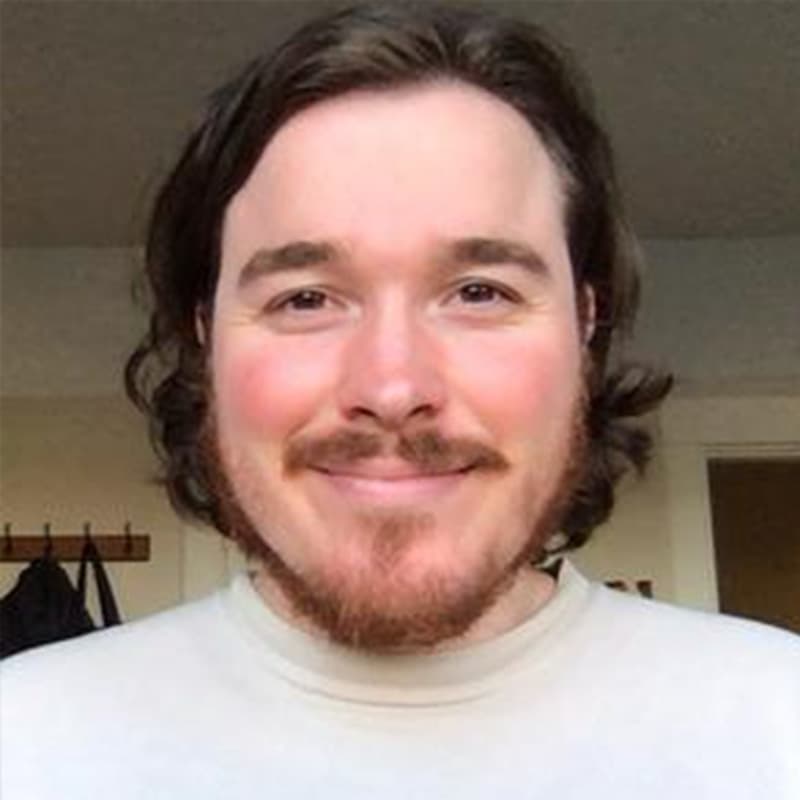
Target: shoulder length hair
{"type": "Point", "coordinates": [381, 46]}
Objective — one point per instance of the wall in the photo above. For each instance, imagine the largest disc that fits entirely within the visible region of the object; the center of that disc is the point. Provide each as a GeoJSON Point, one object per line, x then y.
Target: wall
{"type": "Point", "coordinates": [635, 543]}
{"type": "Point", "coordinates": [698, 428]}
{"type": "Point", "coordinates": [69, 460]}
{"type": "Point", "coordinates": [73, 450]}
{"type": "Point", "coordinates": [723, 315]}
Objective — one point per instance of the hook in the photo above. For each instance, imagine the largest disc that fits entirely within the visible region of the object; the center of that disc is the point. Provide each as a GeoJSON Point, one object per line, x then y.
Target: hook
{"type": "Point", "coordinates": [128, 539]}
{"type": "Point", "coordinates": [48, 541]}
{"type": "Point", "coordinates": [87, 531]}
{"type": "Point", "coordinates": [8, 544]}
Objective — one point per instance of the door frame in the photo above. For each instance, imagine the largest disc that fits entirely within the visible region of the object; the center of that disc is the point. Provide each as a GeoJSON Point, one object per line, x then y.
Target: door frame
{"type": "Point", "coordinates": [694, 430]}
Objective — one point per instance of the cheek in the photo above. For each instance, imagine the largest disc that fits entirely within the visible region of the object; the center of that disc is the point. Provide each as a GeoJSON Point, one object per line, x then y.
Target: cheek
{"type": "Point", "coordinates": [268, 389]}
{"type": "Point", "coordinates": [525, 384]}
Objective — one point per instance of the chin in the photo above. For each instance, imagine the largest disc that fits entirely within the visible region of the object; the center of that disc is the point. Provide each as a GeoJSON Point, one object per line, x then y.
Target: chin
{"type": "Point", "coordinates": [416, 605]}
{"type": "Point", "coordinates": [398, 592]}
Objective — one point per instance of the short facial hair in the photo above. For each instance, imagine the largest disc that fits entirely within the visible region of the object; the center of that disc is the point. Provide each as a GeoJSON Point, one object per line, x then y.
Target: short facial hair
{"type": "Point", "coordinates": [366, 619]}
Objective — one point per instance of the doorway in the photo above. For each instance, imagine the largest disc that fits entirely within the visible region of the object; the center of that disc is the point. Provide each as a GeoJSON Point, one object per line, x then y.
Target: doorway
{"type": "Point", "coordinates": [755, 510]}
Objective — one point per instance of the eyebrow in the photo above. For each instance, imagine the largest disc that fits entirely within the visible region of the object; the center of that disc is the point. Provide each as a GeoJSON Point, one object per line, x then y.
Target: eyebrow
{"type": "Point", "coordinates": [486, 251]}
{"type": "Point", "coordinates": [288, 257]}
{"type": "Point", "coordinates": [455, 255]}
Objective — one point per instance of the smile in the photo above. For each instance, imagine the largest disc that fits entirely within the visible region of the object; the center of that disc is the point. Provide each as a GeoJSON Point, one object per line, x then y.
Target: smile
{"type": "Point", "coordinates": [380, 487]}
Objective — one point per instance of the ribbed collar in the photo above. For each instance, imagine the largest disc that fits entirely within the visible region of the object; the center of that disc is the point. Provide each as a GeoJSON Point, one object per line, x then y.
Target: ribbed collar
{"type": "Point", "coordinates": [321, 667]}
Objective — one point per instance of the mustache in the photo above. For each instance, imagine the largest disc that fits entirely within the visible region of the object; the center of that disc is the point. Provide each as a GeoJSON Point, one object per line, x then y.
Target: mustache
{"type": "Point", "coordinates": [428, 451]}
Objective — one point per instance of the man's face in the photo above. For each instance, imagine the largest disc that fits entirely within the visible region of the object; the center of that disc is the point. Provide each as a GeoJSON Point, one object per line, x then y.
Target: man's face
{"type": "Point", "coordinates": [396, 359]}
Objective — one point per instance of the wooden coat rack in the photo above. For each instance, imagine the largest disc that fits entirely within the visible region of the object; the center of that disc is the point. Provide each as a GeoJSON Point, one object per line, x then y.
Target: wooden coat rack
{"type": "Point", "coordinates": [127, 546]}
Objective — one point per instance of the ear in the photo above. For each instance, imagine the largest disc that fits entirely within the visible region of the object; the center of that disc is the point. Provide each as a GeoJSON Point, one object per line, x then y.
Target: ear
{"type": "Point", "coordinates": [587, 312]}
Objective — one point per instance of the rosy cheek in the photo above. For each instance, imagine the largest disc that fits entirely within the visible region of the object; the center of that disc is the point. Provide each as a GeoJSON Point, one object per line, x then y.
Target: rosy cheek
{"type": "Point", "coordinates": [522, 384]}
{"type": "Point", "coordinates": [268, 387]}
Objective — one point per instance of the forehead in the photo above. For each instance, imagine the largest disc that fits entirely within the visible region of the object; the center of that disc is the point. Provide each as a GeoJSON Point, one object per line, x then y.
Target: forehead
{"type": "Point", "coordinates": [400, 167]}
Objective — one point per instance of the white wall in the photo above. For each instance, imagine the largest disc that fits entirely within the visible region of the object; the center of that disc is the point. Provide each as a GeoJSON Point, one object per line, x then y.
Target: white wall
{"type": "Point", "coordinates": [723, 315]}
{"type": "Point", "coordinates": [68, 321]}
{"type": "Point", "coordinates": [73, 449]}
{"type": "Point", "coordinates": [70, 460]}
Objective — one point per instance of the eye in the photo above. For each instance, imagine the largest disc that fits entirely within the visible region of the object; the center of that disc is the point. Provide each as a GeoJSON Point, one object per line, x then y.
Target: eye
{"type": "Point", "coordinates": [483, 293]}
{"type": "Point", "coordinates": [306, 309]}
{"type": "Point", "coordinates": [300, 301]}
{"type": "Point", "coordinates": [303, 300]}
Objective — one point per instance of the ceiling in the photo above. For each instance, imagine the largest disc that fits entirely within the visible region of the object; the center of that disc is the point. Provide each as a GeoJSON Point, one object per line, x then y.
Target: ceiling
{"type": "Point", "coordinates": [702, 100]}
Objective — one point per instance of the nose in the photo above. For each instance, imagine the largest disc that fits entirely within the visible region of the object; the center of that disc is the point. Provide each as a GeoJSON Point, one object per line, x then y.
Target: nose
{"type": "Point", "coordinates": [392, 374]}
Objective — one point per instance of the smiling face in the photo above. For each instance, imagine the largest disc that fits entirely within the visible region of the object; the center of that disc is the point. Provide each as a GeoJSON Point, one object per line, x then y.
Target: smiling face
{"type": "Point", "coordinates": [396, 361]}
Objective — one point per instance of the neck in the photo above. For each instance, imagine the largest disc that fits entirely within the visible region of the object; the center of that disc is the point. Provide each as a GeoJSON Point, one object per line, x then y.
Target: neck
{"type": "Point", "coordinates": [526, 594]}
{"type": "Point", "coordinates": [529, 591]}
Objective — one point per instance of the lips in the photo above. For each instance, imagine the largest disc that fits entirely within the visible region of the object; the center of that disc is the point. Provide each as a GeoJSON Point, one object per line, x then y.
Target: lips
{"type": "Point", "coordinates": [385, 481]}
{"type": "Point", "coordinates": [389, 470]}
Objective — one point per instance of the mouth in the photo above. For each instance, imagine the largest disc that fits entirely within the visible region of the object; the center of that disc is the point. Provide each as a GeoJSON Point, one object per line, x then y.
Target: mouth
{"type": "Point", "coordinates": [387, 484]}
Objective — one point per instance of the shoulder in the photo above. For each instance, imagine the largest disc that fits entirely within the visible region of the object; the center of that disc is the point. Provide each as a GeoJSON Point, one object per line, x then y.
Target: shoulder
{"type": "Point", "coordinates": [95, 705]}
{"type": "Point", "coordinates": [685, 624]}
{"type": "Point", "coordinates": [106, 664]}
{"type": "Point", "coordinates": [695, 648]}
{"type": "Point", "coordinates": [637, 626]}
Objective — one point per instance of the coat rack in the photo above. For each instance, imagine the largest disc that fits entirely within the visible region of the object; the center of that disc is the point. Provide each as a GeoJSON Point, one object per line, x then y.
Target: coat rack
{"type": "Point", "coordinates": [127, 546]}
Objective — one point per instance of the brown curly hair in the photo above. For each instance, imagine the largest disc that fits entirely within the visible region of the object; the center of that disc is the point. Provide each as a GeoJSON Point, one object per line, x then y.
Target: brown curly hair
{"type": "Point", "coordinates": [383, 46]}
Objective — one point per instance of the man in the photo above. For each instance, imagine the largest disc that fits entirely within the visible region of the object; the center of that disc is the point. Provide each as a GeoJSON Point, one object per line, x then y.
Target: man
{"type": "Point", "coordinates": [387, 272]}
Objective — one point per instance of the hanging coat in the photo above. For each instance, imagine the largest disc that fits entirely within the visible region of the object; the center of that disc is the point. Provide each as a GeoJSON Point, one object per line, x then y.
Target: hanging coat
{"type": "Point", "coordinates": [45, 607]}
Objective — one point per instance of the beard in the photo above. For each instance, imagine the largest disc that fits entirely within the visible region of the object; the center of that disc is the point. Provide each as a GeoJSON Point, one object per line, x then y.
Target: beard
{"type": "Point", "coordinates": [377, 607]}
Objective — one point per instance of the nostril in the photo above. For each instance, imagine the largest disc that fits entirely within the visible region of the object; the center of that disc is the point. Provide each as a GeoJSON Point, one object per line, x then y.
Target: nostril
{"type": "Point", "coordinates": [423, 410]}
{"type": "Point", "coordinates": [360, 412]}
{"type": "Point", "coordinates": [391, 418]}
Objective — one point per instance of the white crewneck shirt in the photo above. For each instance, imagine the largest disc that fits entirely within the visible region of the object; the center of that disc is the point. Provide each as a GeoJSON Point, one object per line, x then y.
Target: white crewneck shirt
{"type": "Point", "coordinates": [599, 694]}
